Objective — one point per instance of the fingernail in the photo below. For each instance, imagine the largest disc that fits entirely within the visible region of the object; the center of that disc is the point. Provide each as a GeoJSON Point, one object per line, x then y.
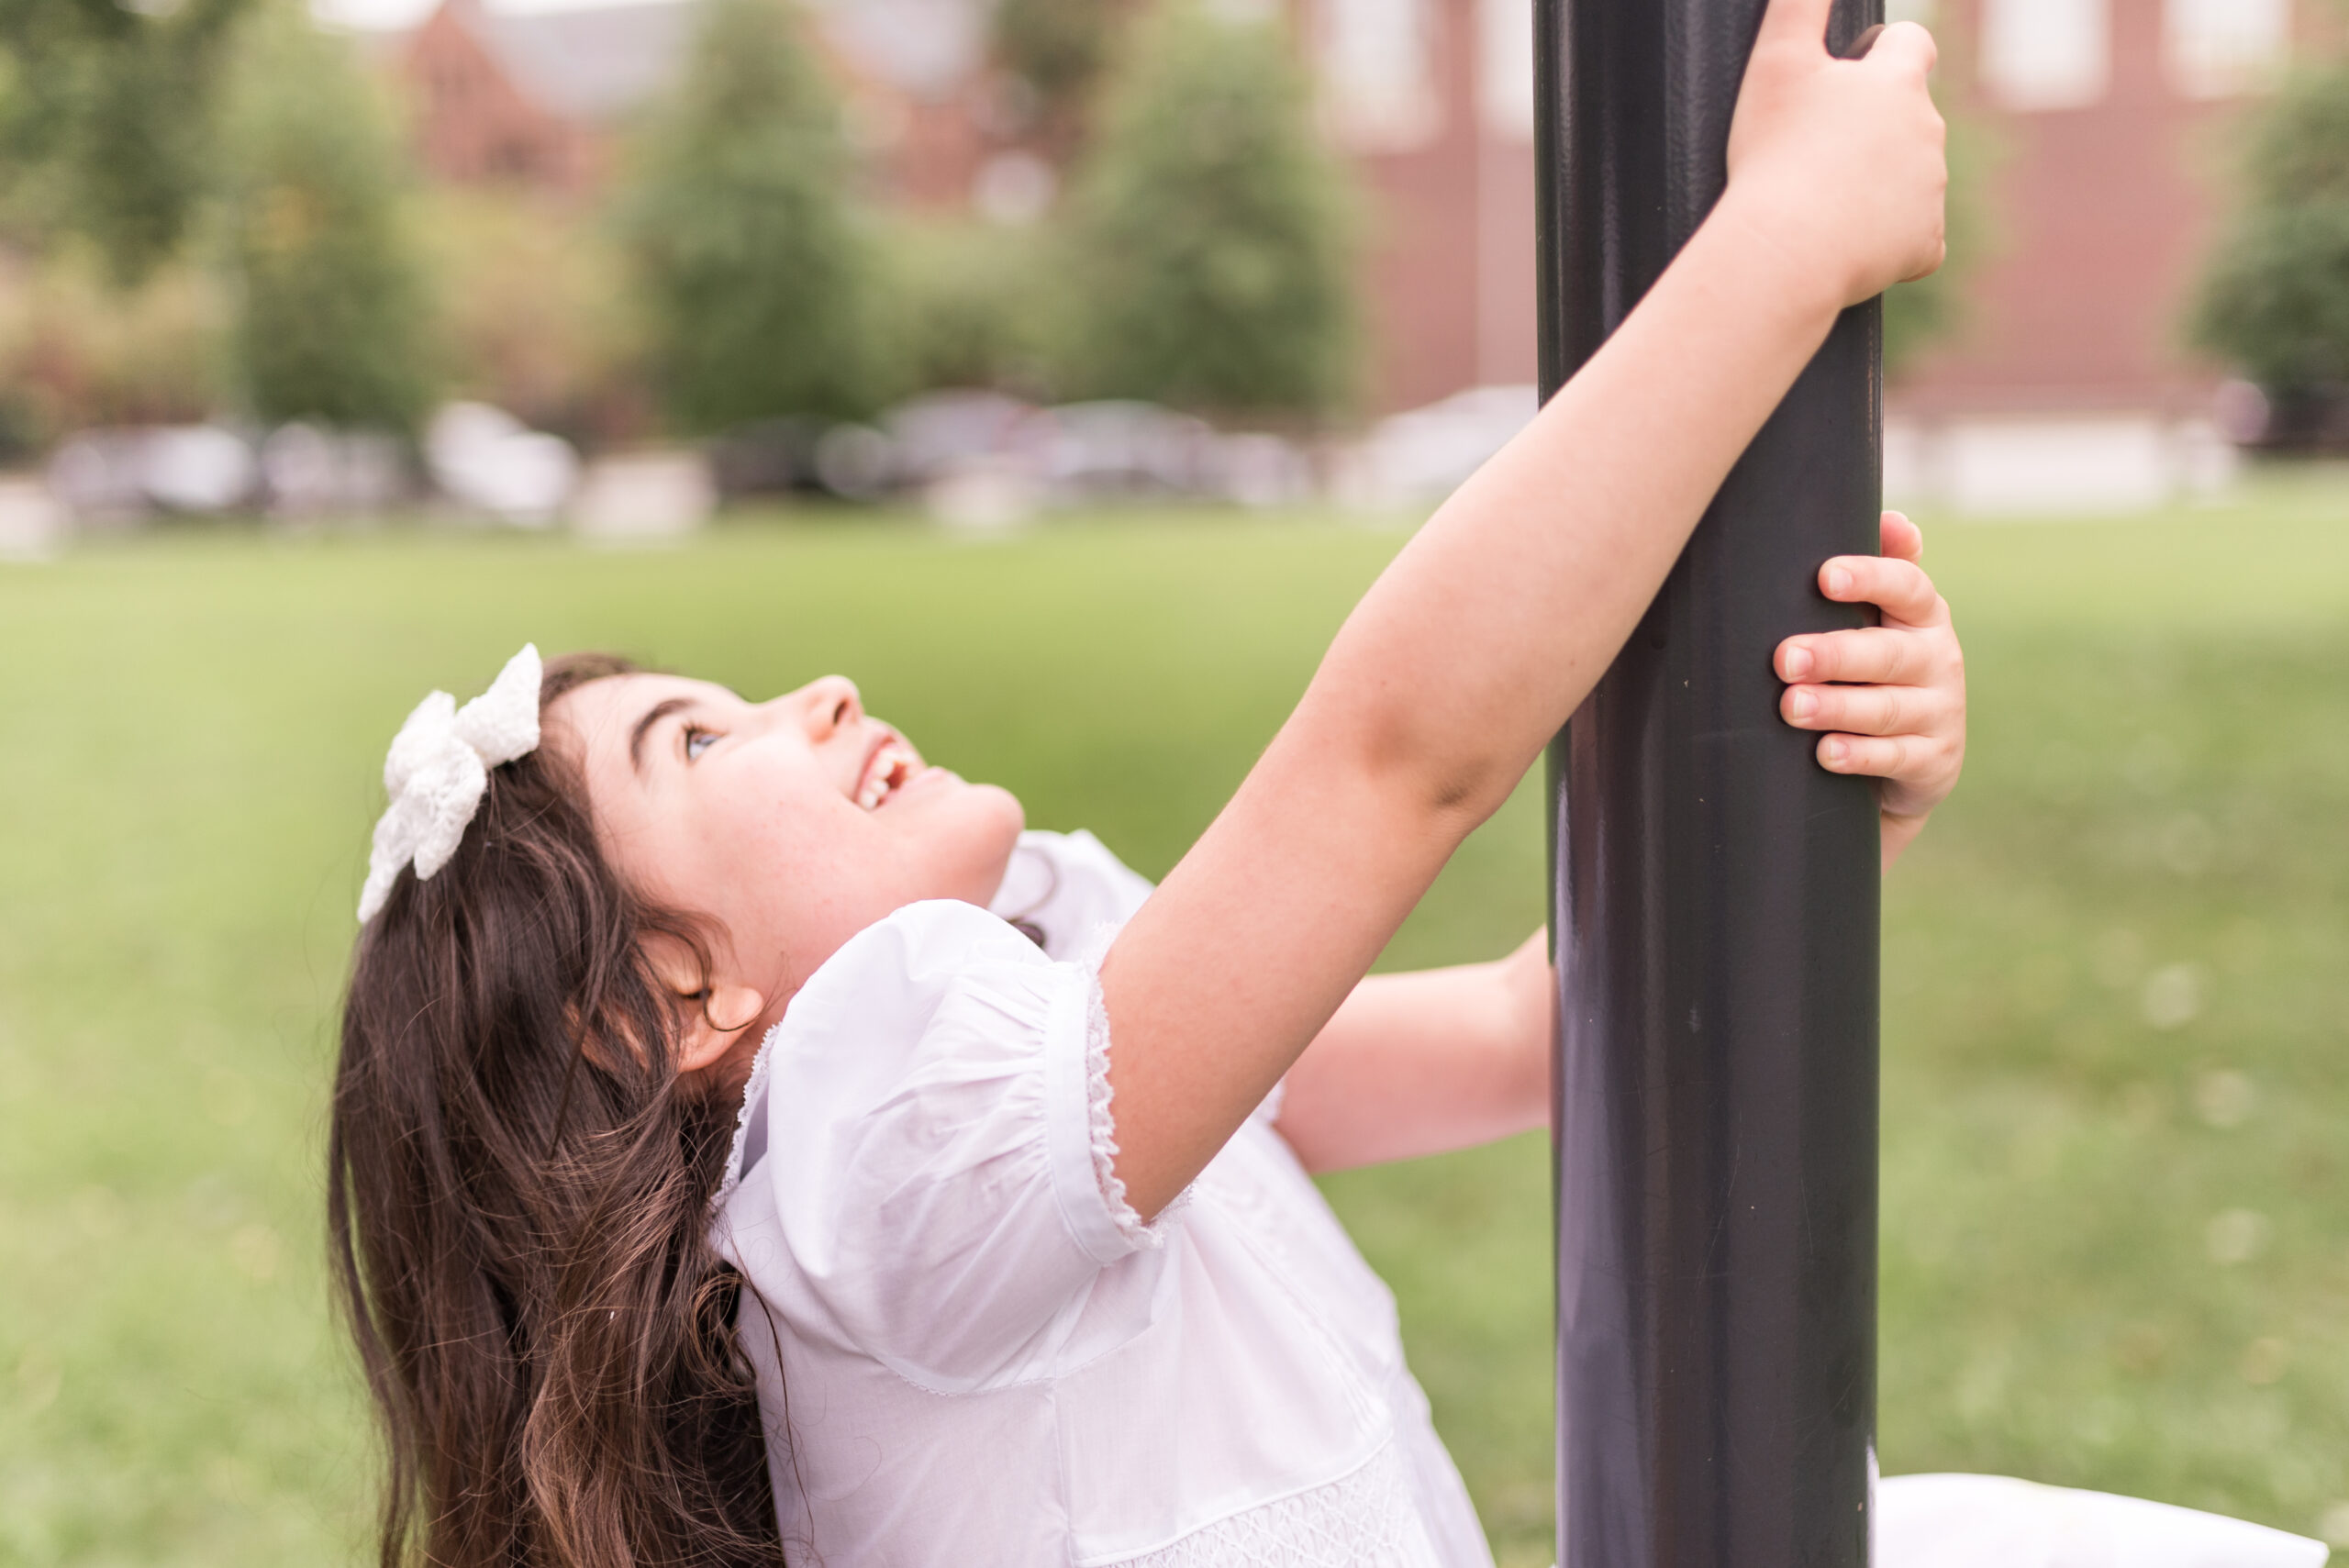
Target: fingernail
{"type": "Point", "coordinates": [1839, 579]}
{"type": "Point", "coordinates": [1802, 704]}
{"type": "Point", "coordinates": [1834, 753]}
{"type": "Point", "coordinates": [1798, 662]}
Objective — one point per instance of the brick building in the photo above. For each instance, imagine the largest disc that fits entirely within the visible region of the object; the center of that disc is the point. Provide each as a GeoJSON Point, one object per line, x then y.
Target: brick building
{"type": "Point", "coordinates": [2066, 374]}
{"type": "Point", "coordinates": [532, 97]}
{"type": "Point", "coordinates": [2108, 119]}
{"type": "Point", "coordinates": [539, 96]}
{"type": "Point", "coordinates": [2106, 114]}
{"type": "Point", "coordinates": [1432, 99]}
{"type": "Point", "coordinates": [2067, 379]}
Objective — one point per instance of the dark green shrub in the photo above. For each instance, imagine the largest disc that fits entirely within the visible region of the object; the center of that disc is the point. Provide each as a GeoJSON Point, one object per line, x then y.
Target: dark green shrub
{"type": "Point", "coordinates": [971, 305]}
{"type": "Point", "coordinates": [1058, 47]}
{"type": "Point", "coordinates": [333, 321]}
{"type": "Point", "coordinates": [536, 313]}
{"type": "Point", "coordinates": [2275, 295]}
{"type": "Point", "coordinates": [759, 284]}
{"type": "Point", "coordinates": [1209, 262]}
{"type": "Point", "coordinates": [106, 122]}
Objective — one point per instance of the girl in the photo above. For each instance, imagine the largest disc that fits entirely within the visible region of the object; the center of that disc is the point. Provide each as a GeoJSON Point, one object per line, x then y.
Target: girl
{"type": "Point", "coordinates": [748, 1142]}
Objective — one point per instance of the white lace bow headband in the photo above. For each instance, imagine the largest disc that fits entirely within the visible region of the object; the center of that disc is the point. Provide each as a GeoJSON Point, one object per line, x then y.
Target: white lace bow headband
{"type": "Point", "coordinates": [438, 768]}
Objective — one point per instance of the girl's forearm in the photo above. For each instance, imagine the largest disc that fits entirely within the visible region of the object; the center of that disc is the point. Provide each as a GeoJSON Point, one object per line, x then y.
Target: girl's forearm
{"type": "Point", "coordinates": [1492, 626]}
{"type": "Point", "coordinates": [1425, 1062]}
{"type": "Point", "coordinates": [1462, 660]}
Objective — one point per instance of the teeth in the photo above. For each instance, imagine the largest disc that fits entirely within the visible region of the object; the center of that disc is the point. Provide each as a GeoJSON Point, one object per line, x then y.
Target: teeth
{"type": "Point", "coordinates": [890, 769]}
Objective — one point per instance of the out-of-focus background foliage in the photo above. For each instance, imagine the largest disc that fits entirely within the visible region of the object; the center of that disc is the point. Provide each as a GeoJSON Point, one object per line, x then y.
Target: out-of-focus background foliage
{"type": "Point", "coordinates": [1063, 369]}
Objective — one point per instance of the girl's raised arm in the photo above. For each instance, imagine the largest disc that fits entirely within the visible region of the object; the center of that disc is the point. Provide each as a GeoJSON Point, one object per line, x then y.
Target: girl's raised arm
{"type": "Point", "coordinates": [1492, 624]}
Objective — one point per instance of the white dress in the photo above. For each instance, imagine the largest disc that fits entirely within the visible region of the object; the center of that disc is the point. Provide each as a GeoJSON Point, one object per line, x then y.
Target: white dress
{"type": "Point", "coordinates": [971, 1352]}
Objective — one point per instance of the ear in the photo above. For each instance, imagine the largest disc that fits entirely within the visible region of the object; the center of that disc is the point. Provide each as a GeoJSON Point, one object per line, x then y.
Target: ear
{"type": "Point", "coordinates": [711, 1013]}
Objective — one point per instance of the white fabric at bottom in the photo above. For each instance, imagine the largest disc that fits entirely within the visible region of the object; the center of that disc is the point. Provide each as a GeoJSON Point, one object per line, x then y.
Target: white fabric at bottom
{"type": "Point", "coordinates": [1361, 1520]}
{"type": "Point", "coordinates": [1993, 1521]}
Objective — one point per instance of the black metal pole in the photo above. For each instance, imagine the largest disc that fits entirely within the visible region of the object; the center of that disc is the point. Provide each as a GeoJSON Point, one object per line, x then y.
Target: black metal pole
{"type": "Point", "coordinates": [1714, 901]}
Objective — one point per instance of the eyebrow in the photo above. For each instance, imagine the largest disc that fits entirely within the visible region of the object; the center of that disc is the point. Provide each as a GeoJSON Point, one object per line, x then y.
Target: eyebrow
{"type": "Point", "coordinates": [652, 715]}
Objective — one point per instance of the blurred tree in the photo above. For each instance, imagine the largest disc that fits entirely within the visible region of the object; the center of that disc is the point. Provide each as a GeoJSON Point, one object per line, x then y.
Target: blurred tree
{"type": "Point", "coordinates": [77, 349]}
{"type": "Point", "coordinates": [333, 322]}
{"type": "Point", "coordinates": [536, 313]}
{"type": "Point", "coordinates": [760, 284]}
{"type": "Point", "coordinates": [1210, 235]}
{"type": "Point", "coordinates": [106, 119]}
{"type": "Point", "coordinates": [1057, 47]}
{"type": "Point", "coordinates": [2275, 295]}
{"type": "Point", "coordinates": [969, 304]}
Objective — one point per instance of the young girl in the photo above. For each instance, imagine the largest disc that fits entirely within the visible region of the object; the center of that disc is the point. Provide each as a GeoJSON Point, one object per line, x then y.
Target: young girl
{"type": "Point", "coordinates": [748, 1142]}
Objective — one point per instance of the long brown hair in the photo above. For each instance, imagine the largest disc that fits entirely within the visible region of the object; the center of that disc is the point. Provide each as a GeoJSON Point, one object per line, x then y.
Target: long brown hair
{"type": "Point", "coordinates": [517, 1190]}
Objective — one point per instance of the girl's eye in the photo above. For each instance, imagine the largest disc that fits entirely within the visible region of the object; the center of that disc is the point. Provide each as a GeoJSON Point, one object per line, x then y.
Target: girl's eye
{"type": "Point", "coordinates": [697, 741]}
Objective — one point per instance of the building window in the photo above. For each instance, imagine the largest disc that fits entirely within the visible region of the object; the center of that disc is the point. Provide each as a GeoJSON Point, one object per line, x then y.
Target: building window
{"type": "Point", "coordinates": [1505, 68]}
{"type": "Point", "coordinates": [2047, 54]}
{"type": "Point", "coordinates": [1377, 69]}
{"type": "Point", "coordinates": [2216, 49]}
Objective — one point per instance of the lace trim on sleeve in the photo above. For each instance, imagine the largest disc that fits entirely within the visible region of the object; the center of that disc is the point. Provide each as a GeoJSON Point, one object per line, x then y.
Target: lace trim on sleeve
{"type": "Point", "coordinates": [1102, 1125]}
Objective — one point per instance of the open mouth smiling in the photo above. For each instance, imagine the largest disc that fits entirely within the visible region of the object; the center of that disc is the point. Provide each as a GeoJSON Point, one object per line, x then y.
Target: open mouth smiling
{"type": "Point", "coordinates": [887, 767]}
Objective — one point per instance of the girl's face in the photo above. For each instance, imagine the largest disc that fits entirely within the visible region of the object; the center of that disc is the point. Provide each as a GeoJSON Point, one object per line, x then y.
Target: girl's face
{"type": "Point", "coordinates": [789, 825]}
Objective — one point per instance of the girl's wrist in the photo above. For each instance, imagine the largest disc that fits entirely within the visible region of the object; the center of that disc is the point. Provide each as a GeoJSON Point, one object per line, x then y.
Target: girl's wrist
{"type": "Point", "coordinates": [1769, 247]}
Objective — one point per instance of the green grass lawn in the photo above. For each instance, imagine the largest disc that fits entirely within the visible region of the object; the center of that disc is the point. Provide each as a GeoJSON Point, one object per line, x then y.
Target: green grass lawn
{"type": "Point", "coordinates": [2116, 973]}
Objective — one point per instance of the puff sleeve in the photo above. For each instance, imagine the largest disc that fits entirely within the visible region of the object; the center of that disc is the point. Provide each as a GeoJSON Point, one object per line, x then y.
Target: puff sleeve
{"type": "Point", "coordinates": [931, 1184]}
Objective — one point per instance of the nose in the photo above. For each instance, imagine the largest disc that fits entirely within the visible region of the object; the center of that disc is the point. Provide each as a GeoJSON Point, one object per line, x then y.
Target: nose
{"type": "Point", "coordinates": [830, 705]}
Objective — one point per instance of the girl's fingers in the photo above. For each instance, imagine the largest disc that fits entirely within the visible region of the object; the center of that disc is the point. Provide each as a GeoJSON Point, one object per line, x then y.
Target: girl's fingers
{"type": "Point", "coordinates": [1789, 24]}
{"type": "Point", "coordinates": [1908, 47]}
{"type": "Point", "coordinates": [1867, 710]}
{"type": "Point", "coordinates": [1879, 655]}
{"type": "Point", "coordinates": [1913, 759]}
{"type": "Point", "coordinates": [1898, 587]}
{"type": "Point", "coordinates": [1903, 540]}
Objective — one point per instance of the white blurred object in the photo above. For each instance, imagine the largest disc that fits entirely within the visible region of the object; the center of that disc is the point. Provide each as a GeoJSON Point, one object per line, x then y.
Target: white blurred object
{"type": "Point", "coordinates": [121, 475]}
{"type": "Point", "coordinates": [1425, 454]}
{"type": "Point", "coordinates": [1992, 1522]}
{"type": "Point", "coordinates": [940, 434]}
{"type": "Point", "coordinates": [984, 497]}
{"type": "Point", "coordinates": [2242, 412]}
{"type": "Point", "coordinates": [2046, 54]}
{"type": "Point", "coordinates": [1907, 464]}
{"type": "Point", "coordinates": [855, 462]}
{"type": "Point", "coordinates": [1120, 446]}
{"type": "Point", "coordinates": [2055, 464]}
{"type": "Point", "coordinates": [1260, 469]}
{"type": "Point", "coordinates": [1014, 189]}
{"type": "Point", "coordinates": [1505, 68]}
{"type": "Point", "coordinates": [2076, 464]}
{"type": "Point", "coordinates": [311, 472]}
{"type": "Point", "coordinates": [2218, 48]}
{"type": "Point", "coordinates": [927, 47]}
{"type": "Point", "coordinates": [643, 498]}
{"type": "Point", "coordinates": [2206, 460]}
{"type": "Point", "coordinates": [1376, 62]}
{"type": "Point", "coordinates": [95, 474]}
{"type": "Point", "coordinates": [196, 468]}
{"type": "Point", "coordinates": [485, 459]}
{"type": "Point", "coordinates": [32, 523]}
